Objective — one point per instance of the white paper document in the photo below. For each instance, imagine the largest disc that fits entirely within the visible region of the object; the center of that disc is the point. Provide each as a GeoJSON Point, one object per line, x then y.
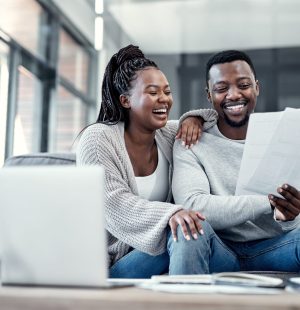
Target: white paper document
{"type": "Point", "coordinates": [228, 278]}
{"type": "Point", "coordinates": [206, 289]}
{"type": "Point", "coordinates": [272, 153]}
{"type": "Point", "coordinates": [225, 283]}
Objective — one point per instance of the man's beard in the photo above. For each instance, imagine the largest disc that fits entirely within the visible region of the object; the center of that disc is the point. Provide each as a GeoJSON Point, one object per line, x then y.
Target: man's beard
{"type": "Point", "coordinates": [241, 123]}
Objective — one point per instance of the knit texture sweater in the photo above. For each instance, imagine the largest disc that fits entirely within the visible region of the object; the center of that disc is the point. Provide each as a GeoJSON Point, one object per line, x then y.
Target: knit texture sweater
{"type": "Point", "coordinates": [205, 179]}
{"type": "Point", "coordinates": [131, 222]}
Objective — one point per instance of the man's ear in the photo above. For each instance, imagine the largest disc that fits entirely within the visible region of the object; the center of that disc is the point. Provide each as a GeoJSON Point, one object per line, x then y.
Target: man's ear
{"type": "Point", "coordinates": [208, 96]}
{"type": "Point", "coordinates": [125, 102]}
{"type": "Point", "coordinates": [257, 87]}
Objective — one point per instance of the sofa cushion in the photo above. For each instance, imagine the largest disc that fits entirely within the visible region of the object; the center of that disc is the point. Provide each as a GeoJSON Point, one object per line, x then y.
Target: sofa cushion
{"type": "Point", "coordinates": [41, 159]}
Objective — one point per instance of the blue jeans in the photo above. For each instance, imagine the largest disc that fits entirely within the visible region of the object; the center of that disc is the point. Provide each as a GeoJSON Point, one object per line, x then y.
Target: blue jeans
{"type": "Point", "coordinates": [209, 253]}
{"type": "Point", "coordinates": [137, 264]}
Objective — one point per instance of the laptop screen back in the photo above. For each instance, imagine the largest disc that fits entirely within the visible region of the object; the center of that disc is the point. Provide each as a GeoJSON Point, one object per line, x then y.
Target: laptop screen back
{"type": "Point", "coordinates": [52, 226]}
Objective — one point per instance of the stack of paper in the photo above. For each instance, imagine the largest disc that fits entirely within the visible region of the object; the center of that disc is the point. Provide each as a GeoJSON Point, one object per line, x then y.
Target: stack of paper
{"type": "Point", "coordinates": [271, 154]}
{"type": "Point", "coordinates": [228, 278]}
{"type": "Point", "coordinates": [226, 283]}
{"type": "Point", "coordinates": [293, 285]}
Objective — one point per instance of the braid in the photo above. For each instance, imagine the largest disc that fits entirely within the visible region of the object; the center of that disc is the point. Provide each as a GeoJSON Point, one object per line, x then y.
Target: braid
{"type": "Point", "coordinates": [119, 73]}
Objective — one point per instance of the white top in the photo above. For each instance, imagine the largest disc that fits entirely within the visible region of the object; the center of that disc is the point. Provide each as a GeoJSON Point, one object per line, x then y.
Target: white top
{"type": "Point", "coordinates": [155, 187]}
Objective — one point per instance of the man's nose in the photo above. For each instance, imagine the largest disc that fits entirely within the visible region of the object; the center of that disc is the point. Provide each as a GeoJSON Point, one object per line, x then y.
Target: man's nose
{"type": "Point", "coordinates": [233, 93]}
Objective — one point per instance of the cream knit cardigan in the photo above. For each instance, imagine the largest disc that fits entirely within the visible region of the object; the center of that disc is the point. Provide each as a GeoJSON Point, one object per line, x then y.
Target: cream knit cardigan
{"type": "Point", "coordinates": [131, 222]}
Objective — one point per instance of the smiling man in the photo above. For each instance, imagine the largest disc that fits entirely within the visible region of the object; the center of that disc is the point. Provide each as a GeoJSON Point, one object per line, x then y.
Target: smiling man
{"type": "Point", "coordinates": [232, 88]}
{"type": "Point", "coordinates": [240, 232]}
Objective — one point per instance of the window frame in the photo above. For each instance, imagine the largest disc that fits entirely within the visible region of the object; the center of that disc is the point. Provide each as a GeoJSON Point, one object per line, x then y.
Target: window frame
{"type": "Point", "coordinates": [47, 72]}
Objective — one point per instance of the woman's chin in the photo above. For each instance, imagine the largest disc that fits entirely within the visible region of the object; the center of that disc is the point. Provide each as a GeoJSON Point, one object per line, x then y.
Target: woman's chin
{"type": "Point", "coordinates": [161, 123]}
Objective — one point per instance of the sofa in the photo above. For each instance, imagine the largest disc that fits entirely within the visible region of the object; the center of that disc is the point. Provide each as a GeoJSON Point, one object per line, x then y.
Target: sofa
{"type": "Point", "coordinates": [41, 159]}
{"type": "Point", "coordinates": [70, 159]}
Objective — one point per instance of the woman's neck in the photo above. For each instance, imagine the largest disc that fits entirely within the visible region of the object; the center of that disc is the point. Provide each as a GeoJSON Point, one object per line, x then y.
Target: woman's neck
{"type": "Point", "coordinates": [139, 137]}
{"type": "Point", "coordinates": [142, 150]}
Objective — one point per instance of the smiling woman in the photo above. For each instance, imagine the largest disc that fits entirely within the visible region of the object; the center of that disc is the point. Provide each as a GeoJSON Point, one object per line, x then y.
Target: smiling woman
{"type": "Point", "coordinates": [149, 100]}
{"type": "Point", "coordinates": [133, 140]}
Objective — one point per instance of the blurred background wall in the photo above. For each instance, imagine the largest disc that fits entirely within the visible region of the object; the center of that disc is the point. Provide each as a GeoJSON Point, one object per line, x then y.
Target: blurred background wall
{"type": "Point", "coordinates": [53, 54]}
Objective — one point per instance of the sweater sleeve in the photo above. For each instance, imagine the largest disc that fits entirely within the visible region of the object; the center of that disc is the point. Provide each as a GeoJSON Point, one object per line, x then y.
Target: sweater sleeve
{"type": "Point", "coordinates": [191, 188]}
{"type": "Point", "coordinates": [135, 221]}
{"type": "Point", "coordinates": [289, 225]}
{"type": "Point", "coordinates": [210, 117]}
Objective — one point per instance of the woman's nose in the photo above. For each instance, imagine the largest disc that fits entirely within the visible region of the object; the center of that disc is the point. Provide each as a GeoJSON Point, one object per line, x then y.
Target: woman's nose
{"type": "Point", "coordinates": [163, 97]}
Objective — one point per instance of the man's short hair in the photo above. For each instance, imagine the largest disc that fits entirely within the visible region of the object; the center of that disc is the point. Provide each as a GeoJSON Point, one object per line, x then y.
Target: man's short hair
{"type": "Point", "coordinates": [228, 56]}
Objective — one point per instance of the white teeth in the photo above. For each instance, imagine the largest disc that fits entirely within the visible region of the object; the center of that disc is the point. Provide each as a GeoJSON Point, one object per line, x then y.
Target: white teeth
{"type": "Point", "coordinates": [235, 107]}
{"type": "Point", "coordinates": [160, 111]}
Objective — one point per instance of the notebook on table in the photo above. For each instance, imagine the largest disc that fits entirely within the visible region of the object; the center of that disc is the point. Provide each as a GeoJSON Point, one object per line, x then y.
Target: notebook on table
{"type": "Point", "coordinates": [52, 229]}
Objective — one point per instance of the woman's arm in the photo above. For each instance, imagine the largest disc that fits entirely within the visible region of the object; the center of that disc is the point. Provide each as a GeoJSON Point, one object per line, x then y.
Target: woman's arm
{"type": "Point", "coordinates": [190, 126]}
{"type": "Point", "coordinates": [192, 123]}
{"type": "Point", "coordinates": [135, 221]}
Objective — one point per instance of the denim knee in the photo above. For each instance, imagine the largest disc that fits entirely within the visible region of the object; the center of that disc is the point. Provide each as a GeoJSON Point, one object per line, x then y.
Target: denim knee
{"type": "Point", "coordinates": [189, 256]}
{"type": "Point", "coordinates": [188, 246]}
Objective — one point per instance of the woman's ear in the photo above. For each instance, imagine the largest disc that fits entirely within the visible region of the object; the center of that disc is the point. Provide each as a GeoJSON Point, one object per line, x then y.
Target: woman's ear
{"type": "Point", "coordinates": [125, 102]}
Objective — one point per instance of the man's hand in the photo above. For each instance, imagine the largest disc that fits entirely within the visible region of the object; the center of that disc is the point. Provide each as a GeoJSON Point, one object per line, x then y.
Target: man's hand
{"type": "Point", "coordinates": [186, 218]}
{"type": "Point", "coordinates": [190, 131]}
{"type": "Point", "coordinates": [286, 209]}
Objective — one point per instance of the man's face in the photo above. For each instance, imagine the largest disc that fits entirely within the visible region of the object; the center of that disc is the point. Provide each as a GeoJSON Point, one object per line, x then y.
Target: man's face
{"type": "Point", "coordinates": [232, 89]}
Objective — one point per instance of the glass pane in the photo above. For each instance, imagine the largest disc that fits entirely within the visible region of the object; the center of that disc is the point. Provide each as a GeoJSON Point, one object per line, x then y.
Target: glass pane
{"type": "Point", "coordinates": [3, 97]}
{"type": "Point", "coordinates": [69, 117]}
{"type": "Point", "coordinates": [21, 19]}
{"type": "Point", "coordinates": [73, 62]}
{"type": "Point", "coordinates": [28, 114]}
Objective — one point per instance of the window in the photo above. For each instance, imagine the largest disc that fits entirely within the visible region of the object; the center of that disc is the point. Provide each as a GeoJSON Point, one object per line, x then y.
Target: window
{"type": "Point", "coordinates": [74, 98]}
{"type": "Point", "coordinates": [26, 28]}
{"type": "Point", "coordinates": [28, 113]}
{"type": "Point", "coordinates": [73, 62]}
{"type": "Point", "coordinates": [4, 50]}
{"type": "Point", "coordinates": [50, 90]}
{"type": "Point", "coordinates": [69, 116]}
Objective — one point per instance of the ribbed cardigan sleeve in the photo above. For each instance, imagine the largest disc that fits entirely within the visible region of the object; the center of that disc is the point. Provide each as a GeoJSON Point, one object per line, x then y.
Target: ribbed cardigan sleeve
{"type": "Point", "coordinates": [135, 221]}
{"type": "Point", "coordinates": [209, 116]}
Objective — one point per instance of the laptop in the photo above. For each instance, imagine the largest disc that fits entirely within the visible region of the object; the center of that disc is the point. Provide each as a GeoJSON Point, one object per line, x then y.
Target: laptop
{"type": "Point", "coordinates": [52, 230]}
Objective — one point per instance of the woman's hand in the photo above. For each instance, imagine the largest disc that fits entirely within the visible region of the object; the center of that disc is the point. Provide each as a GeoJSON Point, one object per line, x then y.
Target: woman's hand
{"type": "Point", "coordinates": [286, 209]}
{"type": "Point", "coordinates": [186, 218]}
{"type": "Point", "coordinates": [190, 131]}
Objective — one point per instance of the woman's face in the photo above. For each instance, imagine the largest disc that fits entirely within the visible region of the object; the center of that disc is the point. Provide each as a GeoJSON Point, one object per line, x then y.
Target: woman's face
{"type": "Point", "coordinates": [150, 100]}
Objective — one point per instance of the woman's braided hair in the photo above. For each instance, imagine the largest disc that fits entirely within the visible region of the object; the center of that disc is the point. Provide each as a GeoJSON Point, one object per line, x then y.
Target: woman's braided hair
{"type": "Point", "coordinates": [119, 73]}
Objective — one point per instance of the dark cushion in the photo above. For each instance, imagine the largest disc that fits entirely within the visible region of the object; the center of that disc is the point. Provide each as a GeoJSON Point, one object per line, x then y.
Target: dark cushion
{"type": "Point", "coordinates": [41, 159]}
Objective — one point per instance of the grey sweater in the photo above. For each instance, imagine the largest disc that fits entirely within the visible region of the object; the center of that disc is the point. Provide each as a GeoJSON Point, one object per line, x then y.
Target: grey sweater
{"type": "Point", "coordinates": [205, 178]}
{"type": "Point", "coordinates": [131, 222]}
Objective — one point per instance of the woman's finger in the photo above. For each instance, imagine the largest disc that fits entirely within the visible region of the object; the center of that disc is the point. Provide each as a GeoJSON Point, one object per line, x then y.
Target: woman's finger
{"type": "Point", "coordinates": [184, 228]}
{"type": "Point", "coordinates": [173, 225]}
{"type": "Point", "coordinates": [197, 222]}
{"type": "Point", "coordinates": [179, 132]}
{"type": "Point", "coordinates": [191, 224]}
{"type": "Point", "coordinates": [188, 136]}
{"type": "Point", "coordinates": [200, 216]}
